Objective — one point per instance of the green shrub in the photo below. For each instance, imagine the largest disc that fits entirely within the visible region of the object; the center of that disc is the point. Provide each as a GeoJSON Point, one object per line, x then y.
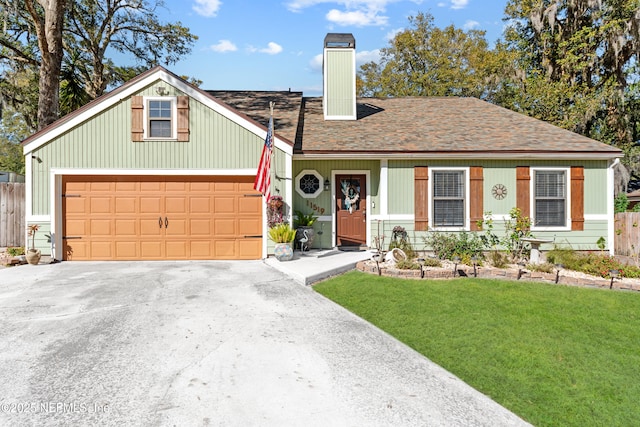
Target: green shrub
{"type": "Point", "coordinates": [407, 265]}
{"type": "Point", "coordinates": [282, 233]}
{"type": "Point", "coordinates": [498, 259]}
{"type": "Point", "coordinates": [595, 264]}
{"type": "Point", "coordinates": [432, 262]}
{"type": "Point", "coordinates": [15, 251]}
{"type": "Point", "coordinates": [546, 267]}
{"type": "Point", "coordinates": [449, 245]}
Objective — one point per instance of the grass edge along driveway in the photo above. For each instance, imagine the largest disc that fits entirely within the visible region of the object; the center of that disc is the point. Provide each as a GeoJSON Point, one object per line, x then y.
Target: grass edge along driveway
{"type": "Point", "coordinates": [553, 354]}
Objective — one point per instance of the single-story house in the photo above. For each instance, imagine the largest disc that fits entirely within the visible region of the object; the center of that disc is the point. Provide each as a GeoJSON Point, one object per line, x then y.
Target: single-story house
{"type": "Point", "coordinates": [160, 169]}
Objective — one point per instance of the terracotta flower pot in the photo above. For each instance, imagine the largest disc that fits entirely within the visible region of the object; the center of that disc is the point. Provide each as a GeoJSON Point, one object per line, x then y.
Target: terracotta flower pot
{"type": "Point", "coordinates": [33, 256]}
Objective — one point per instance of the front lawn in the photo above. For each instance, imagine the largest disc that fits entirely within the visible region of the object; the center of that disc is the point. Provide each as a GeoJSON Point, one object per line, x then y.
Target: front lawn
{"type": "Point", "coordinates": [555, 355]}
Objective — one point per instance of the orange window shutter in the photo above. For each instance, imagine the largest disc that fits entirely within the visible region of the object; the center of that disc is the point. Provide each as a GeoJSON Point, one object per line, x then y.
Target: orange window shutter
{"type": "Point", "coordinates": [523, 198]}
{"type": "Point", "coordinates": [577, 198]}
{"type": "Point", "coordinates": [183, 118]}
{"type": "Point", "coordinates": [137, 125]}
{"type": "Point", "coordinates": [421, 197]}
{"type": "Point", "coordinates": [476, 192]}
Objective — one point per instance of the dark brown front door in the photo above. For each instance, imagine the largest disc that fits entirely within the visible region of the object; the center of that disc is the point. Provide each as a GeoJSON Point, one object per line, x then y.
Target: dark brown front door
{"type": "Point", "coordinates": [351, 200]}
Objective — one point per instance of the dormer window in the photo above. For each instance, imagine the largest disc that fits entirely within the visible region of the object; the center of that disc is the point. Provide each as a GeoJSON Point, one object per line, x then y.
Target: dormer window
{"type": "Point", "coordinates": [160, 118]}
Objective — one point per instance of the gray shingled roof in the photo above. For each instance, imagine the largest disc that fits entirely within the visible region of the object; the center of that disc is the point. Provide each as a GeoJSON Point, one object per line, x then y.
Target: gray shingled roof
{"type": "Point", "coordinates": [255, 105]}
{"type": "Point", "coordinates": [432, 125]}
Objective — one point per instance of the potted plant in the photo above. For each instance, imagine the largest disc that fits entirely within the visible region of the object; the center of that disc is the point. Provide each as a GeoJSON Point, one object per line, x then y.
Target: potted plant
{"type": "Point", "coordinates": [283, 235]}
{"type": "Point", "coordinates": [33, 255]}
{"type": "Point", "coordinates": [305, 234]}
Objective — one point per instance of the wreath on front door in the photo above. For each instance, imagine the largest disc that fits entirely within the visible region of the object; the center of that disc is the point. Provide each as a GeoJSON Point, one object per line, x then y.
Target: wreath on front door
{"type": "Point", "coordinates": [351, 195]}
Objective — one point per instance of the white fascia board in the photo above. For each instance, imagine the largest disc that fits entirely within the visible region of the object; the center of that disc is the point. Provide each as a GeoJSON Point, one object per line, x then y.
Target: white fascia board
{"type": "Point", "coordinates": [154, 172]}
{"type": "Point", "coordinates": [460, 156]}
{"type": "Point", "coordinates": [136, 87]}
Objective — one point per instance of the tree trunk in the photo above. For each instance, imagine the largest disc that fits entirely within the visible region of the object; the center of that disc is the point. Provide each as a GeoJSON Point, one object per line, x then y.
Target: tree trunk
{"type": "Point", "coordinates": [49, 30]}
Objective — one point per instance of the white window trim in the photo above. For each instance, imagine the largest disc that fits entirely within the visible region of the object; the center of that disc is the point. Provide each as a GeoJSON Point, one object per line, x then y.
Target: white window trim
{"type": "Point", "coordinates": [174, 117]}
{"type": "Point", "coordinates": [467, 206]}
{"type": "Point", "coordinates": [532, 202]}
{"type": "Point", "coordinates": [320, 187]}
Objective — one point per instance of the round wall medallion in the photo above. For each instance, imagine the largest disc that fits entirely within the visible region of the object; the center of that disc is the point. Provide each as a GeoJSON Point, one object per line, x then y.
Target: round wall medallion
{"type": "Point", "coordinates": [499, 191]}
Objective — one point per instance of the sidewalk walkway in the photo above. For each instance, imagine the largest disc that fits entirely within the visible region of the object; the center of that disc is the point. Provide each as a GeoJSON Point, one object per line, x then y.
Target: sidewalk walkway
{"type": "Point", "coordinates": [310, 267]}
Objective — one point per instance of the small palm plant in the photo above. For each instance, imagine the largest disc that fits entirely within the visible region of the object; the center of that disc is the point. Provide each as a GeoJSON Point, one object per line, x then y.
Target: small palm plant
{"type": "Point", "coordinates": [33, 228]}
{"type": "Point", "coordinates": [282, 233]}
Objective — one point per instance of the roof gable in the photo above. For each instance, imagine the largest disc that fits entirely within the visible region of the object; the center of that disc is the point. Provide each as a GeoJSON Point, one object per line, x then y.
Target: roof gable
{"type": "Point", "coordinates": [134, 86]}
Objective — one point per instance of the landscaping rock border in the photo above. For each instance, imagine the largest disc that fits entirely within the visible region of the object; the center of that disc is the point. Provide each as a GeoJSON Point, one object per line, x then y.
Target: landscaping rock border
{"type": "Point", "coordinates": [566, 277]}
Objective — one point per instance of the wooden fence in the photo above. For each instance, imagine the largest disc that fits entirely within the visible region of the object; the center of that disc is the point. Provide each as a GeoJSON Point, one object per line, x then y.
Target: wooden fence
{"type": "Point", "coordinates": [12, 214]}
{"type": "Point", "coordinates": [627, 229]}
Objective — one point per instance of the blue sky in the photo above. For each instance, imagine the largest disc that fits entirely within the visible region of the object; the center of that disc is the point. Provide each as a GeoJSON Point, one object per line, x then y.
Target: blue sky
{"type": "Point", "coordinates": [265, 45]}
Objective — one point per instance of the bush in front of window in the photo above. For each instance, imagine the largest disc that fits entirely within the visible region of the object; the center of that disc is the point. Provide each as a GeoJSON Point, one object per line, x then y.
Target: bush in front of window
{"type": "Point", "coordinates": [463, 245]}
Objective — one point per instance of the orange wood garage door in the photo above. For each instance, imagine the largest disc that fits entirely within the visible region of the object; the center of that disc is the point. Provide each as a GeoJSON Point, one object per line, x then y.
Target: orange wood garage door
{"type": "Point", "coordinates": [155, 218]}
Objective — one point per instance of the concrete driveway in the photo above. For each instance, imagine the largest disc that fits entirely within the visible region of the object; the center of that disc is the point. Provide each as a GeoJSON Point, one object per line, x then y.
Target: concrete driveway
{"type": "Point", "coordinates": [208, 343]}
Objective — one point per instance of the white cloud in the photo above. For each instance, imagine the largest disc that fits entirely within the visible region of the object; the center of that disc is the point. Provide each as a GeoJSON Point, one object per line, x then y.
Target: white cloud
{"type": "Point", "coordinates": [367, 56]}
{"type": "Point", "coordinates": [223, 46]}
{"type": "Point", "coordinates": [272, 49]}
{"type": "Point", "coordinates": [353, 12]}
{"type": "Point", "coordinates": [459, 4]}
{"type": "Point", "coordinates": [207, 8]}
{"type": "Point", "coordinates": [391, 34]}
{"type": "Point", "coordinates": [470, 24]}
{"type": "Point", "coordinates": [358, 18]}
{"type": "Point", "coordinates": [316, 63]}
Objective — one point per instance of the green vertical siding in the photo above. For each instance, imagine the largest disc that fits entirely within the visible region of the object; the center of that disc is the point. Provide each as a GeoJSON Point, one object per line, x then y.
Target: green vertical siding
{"type": "Point", "coordinates": [104, 142]}
{"type": "Point", "coordinates": [340, 91]}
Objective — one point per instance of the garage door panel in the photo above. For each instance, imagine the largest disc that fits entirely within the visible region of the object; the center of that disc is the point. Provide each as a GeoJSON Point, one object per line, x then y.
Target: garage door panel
{"type": "Point", "coordinates": [76, 205]}
{"type": "Point", "coordinates": [125, 205]}
{"type": "Point", "coordinates": [225, 249]}
{"type": "Point", "coordinates": [224, 187]}
{"type": "Point", "coordinates": [76, 227]}
{"type": "Point", "coordinates": [150, 186]}
{"type": "Point", "coordinates": [126, 228]}
{"type": "Point", "coordinates": [250, 248]}
{"type": "Point", "coordinates": [101, 250]}
{"type": "Point", "coordinates": [127, 250]}
{"type": "Point", "coordinates": [76, 250]}
{"type": "Point", "coordinates": [200, 249]}
{"type": "Point", "coordinates": [176, 249]}
{"type": "Point", "coordinates": [249, 205]}
{"type": "Point", "coordinates": [224, 205]}
{"type": "Point", "coordinates": [200, 205]}
{"type": "Point", "coordinates": [100, 227]}
{"type": "Point", "coordinates": [224, 227]}
{"type": "Point", "coordinates": [126, 186]}
{"type": "Point", "coordinates": [101, 187]}
{"type": "Point", "coordinates": [100, 205]}
{"type": "Point", "coordinates": [200, 187]}
{"type": "Point", "coordinates": [154, 217]}
{"type": "Point", "coordinates": [151, 226]}
{"type": "Point", "coordinates": [176, 227]}
{"type": "Point", "coordinates": [151, 249]}
{"type": "Point", "coordinates": [200, 227]}
{"type": "Point", "coordinates": [176, 205]}
{"type": "Point", "coordinates": [151, 205]}
{"type": "Point", "coordinates": [249, 226]}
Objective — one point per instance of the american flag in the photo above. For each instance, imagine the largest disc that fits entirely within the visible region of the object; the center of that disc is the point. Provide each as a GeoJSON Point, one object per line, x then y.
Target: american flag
{"type": "Point", "coordinates": [263, 178]}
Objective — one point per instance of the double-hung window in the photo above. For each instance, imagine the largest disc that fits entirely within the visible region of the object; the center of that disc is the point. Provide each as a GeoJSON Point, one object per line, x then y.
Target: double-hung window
{"type": "Point", "coordinates": [550, 198]}
{"type": "Point", "coordinates": [160, 118]}
{"type": "Point", "coordinates": [448, 198]}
